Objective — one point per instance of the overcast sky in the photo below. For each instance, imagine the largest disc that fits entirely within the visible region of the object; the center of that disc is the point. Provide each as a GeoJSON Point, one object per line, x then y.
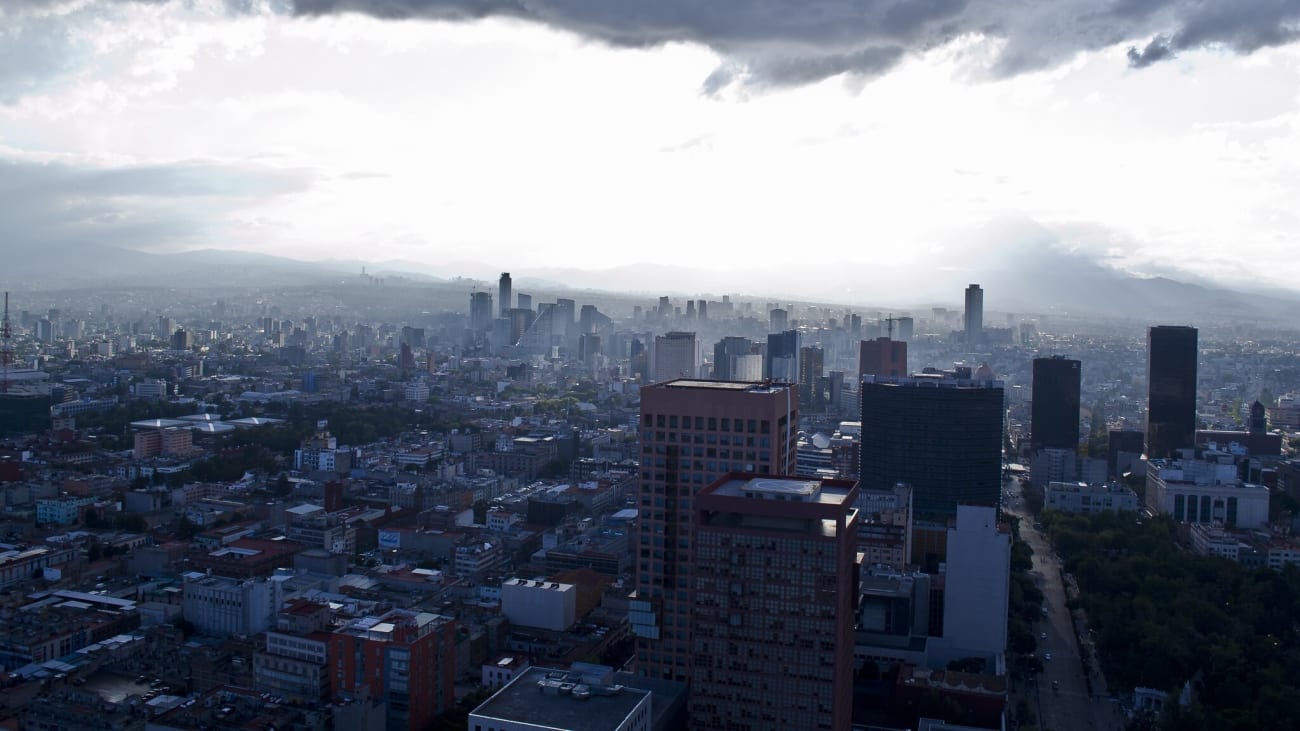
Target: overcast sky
{"type": "Point", "coordinates": [1163, 135]}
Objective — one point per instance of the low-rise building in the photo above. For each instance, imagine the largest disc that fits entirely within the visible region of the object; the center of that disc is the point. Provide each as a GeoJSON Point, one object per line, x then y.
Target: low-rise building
{"type": "Point", "coordinates": [1081, 497]}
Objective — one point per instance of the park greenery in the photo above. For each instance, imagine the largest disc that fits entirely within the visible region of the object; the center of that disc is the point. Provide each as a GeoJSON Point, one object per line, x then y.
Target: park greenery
{"type": "Point", "coordinates": [1165, 617]}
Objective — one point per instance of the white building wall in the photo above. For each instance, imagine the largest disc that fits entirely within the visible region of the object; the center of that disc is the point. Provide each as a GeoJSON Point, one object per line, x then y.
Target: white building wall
{"type": "Point", "coordinates": [544, 605]}
{"type": "Point", "coordinates": [978, 584]}
{"type": "Point", "coordinates": [223, 606]}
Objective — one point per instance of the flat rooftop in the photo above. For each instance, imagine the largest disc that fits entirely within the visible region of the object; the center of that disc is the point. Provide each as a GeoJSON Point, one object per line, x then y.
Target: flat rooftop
{"type": "Point", "coordinates": [525, 701]}
{"type": "Point", "coordinates": [793, 489]}
{"type": "Point", "coordinates": [752, 386]}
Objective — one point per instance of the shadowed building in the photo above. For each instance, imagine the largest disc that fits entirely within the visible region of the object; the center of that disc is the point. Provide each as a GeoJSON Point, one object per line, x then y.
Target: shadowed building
{"type": "Point", "coordinates": [1171, 390]}
{"type": "Point", "coordinates": [692, 433]}
{"type": "Point", "coordinates": [1054, 412]}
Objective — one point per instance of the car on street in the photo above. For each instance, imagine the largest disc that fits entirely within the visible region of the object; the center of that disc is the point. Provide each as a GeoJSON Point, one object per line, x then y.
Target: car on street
{"type": "Point", "coordinates": [1042, 635]}
{"type": "Point", "coordinates": [1047, 656]}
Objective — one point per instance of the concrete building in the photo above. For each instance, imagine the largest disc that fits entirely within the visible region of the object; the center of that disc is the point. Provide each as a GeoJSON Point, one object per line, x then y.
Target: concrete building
{"type": "Point", "coordinates": [1205, 490]}
{"type": "Point", "coordinates": [775, 585]}
{"type": "Point", "coordinates": [541, 604]}
{"type": "Point", "coordinates": [403, 659]}
{"type": "Point", "coordinates": [1081, 497]}
{"type": "Point", "coordinates": [692, 433]}
{"type": "Point", "coordinates": [675, 355]}
{"type": "Point", "coordinates": [781, 360]}
{"type": "Point", "coordinates": [504, 298]}
{"type": "Point", "coordinates": [219, 605]}
{"type": "Point", "coordinates": [978, 582]}
{"type": "Point", "coordinates": [882, 357]}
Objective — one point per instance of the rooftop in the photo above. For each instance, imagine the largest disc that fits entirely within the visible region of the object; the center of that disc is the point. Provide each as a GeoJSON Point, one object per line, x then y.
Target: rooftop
{"type": "Point", "coordinates": [750, 386]}
{"type": "Point", "coordinates": [557, 699]}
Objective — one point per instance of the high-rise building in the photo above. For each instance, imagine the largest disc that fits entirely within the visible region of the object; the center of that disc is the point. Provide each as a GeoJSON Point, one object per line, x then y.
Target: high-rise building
{"type": "Point", "coordinates": [775, 581]}
{"type": "Point", "coordinates": [725, 353]}
{"type": "Point", "coordinates": [404, 658]}
{"type": "Point", "coordinates": [781, 361]}
{"type": "Point", "coordinates": [778, 320]}
{"type": "Point", "coordinates": [1171, 390]}
{"type": "Point", "coordinates": [938, 433]}
{"type": "Point", "coordinates": [974, 314]}
{"type": "Point", "coordinates": [905, 327]}
{"type": "Point", "coordinates": [977, 590]}
{"type": "Point", "coordinates": [504, 300]}
{"type": "Point", "coordinates": [1054, 411]}
{"type": "Point", "coordinates": [676, 355]}
{"type": "Point", "coordinates": [524, 301]}
{"type": "Point", "coordinates": [741, 427]}
{"type": "Point", "coordinates": [812, 360]}
{"type": "Point", "coordinates": [566, 312]}
{"type": "Point", "coordinates": [882, 357]}
{"type": "Point", "coordinates": [480, 311]}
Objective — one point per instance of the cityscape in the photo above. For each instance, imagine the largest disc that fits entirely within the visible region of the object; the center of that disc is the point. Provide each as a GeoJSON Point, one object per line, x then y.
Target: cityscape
{"type": "Point", "coordinates": [334, 507]}
{"type": "Point", "coordinates": [555, 365]}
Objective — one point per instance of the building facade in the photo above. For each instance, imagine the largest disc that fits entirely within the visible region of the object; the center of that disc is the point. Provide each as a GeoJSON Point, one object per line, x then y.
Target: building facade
{"type": "Point", "coordinates": [1054, 410]}
{"type": "Point", "coordinates": [1171, 390]}
{"type": "Point", "coordinates": [775, 585]}
{"type": "Point", "coordinates": [693, 432]}
{"type": "Point", "coordinates": [938, 433]}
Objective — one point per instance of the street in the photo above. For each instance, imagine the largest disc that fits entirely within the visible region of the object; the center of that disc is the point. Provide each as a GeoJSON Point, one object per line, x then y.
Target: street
{"type": "Point", "coordinates": [1070, 707]}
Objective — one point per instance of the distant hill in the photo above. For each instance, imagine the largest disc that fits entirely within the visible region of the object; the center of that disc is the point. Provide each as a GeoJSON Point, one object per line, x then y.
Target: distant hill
{"type": "Point", "coordinates": [1025, 277]}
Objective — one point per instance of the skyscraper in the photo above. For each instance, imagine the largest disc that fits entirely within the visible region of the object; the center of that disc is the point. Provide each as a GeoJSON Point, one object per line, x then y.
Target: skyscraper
{"type": "Point", "coordinates": [480, 311]}
{"type": "Point", "coordinates": [974, 314]}
{"type": "Point", "coordinates": [882, 357]}
{"type": "Point", "coordinates": [778, 320]}
{"type": "Point", "coordinates": [781, 362]}
{"type": "Point", "coordinates": [812, 360]}
{"type": "Point", "coordinates": [504, 300]}
{"type": "Point", "coordinates": [1171, 390]}
{"type": "Point", "coordinates": [725, 352]}
{"type": "Point", "coordinates": [774, 581]}
{"type": "Point", "coordinates": [675, 355]}
{"type": "Point", "coordinates": [1054, 412]}
{"type": "Point", "coordinates": [938, 433]}
{"type": "Point", "coordinates": [741, 427]}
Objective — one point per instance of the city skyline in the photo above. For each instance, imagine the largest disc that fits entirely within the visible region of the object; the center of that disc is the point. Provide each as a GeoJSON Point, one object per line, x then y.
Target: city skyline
{"type": "Point", "coordinates": [170, 126]}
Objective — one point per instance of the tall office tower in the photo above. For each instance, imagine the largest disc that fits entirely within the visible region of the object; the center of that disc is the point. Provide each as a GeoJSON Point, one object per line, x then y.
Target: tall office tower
{"type": "Point", "coordinates": [519, 319]}
{"type": "Point", "coordinates": [588, 347]}
{"type": "Point", "coordinates": [480, 311]}
{"type": "Point", "coordinates": [725, 352]}
{"type": "Point", "coordinates": [690, 309]}
{"type": "Point", "coordinates": [775, 580]}
{"type": "Point", "coordinates": [742, 427]}
{"type": "Point", "coordinates": [665, 307]}
{"type": "Point", "coordinates": [566, 311]}
{"type": "Point", "coordinates": [1054, 411]}
{"type": "Point", "coordinates": [974, 314]}
{"type": "Point", "coordinates": [747, 367]}
{"type": "Point", "coordinates": [855, 324]}
{"type": "Point", "coordinates": [940, 434]}
{"type": "Point", "coordinates": [778, 320]}
{"type": "Point", "coordinates": [905, 326]}
{"type": "Point", "coordinates": [1171, 390]}
{"type": "Point", "coordinates": [703, 309]}
{"type": "Point", "coordinates": [524, 301]}
{"type": "Point", "coordinates": [812, 361]}
{"type": "Point", "coordinates": [675, 355]}
{"type": "Point", "coordinates": [404, 658]}
{"type": "Point", "coordinates": [504, 300]}
{"type": "Point", "coordinates": [781, 361]}
{"type": "Point", "coordinates": [882, 357]}
{"type": "Point", "coordinates": [587, 319]}
{"type": "Point", "coordinates": [977, 591]}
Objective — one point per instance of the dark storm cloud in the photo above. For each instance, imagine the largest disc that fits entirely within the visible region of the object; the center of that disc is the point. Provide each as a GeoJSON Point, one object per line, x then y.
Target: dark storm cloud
{"type": "Point", "coordinates": [130, 206]}
{"type": "Point", "coordinates": [786, 42]}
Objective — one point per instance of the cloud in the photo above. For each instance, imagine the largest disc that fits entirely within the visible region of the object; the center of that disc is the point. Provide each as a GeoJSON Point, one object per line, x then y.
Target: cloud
{"type": "Point", "coordinates": [132, 206]}
{"type": "Point", "coordinates": [790, 42]}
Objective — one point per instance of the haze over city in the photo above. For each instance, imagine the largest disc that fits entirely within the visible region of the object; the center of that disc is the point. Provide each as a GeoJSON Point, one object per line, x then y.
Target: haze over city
{"type": "Point", "coordinates": [892, 141]}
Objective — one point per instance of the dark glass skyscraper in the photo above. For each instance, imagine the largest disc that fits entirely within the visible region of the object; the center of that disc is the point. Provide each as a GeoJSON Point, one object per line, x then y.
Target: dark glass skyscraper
{"type": "Point", "coordinates": [1054, 417]}
{"type": "Point", "coordinates": [781, 362]}
{"type": "Point", "coordinates": [1171, 390]}
{"type": "Point", "coordinates": [941, 435]}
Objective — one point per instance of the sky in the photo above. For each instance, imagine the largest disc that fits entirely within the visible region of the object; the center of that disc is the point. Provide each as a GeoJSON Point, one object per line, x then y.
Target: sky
{"type": "Point", "coordinates": [895, 137]}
